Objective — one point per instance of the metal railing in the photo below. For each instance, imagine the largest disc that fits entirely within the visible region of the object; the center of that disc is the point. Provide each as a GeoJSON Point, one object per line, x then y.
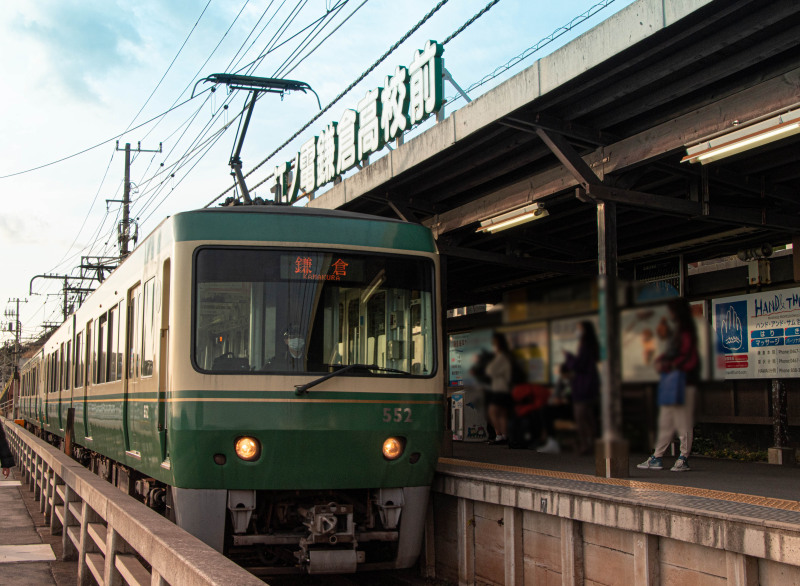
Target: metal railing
{"type": "Point", "coordinates": [110, 533]}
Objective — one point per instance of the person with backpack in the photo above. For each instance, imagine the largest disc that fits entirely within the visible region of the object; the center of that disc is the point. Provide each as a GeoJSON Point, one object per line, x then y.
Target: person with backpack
{"type": "Point", "coordinates": [679, 368]}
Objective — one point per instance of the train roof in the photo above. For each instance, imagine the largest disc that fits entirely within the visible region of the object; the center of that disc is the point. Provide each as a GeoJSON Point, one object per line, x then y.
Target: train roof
{"type": "Point", "coordinates": [290, 224]}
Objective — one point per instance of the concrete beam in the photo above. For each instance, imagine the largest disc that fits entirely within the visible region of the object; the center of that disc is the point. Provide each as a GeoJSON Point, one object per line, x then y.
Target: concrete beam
{"type": "Point", "coordinates": [671, 137]}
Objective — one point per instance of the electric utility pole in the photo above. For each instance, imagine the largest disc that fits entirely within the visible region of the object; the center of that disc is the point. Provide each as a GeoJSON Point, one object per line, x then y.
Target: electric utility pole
{"type": "Point", "coordinates": [14, 313]}
{"type": "Point", "coordinates": [125, 226]}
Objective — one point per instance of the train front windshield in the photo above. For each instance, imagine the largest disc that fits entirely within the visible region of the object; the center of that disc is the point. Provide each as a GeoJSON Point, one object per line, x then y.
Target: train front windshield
{"type": "Point", "coordinates": [281, 311]}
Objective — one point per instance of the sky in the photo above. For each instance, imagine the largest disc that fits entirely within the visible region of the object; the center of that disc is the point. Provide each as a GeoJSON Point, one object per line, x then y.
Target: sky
{"type": "Point", "coordinates": [88, 73]}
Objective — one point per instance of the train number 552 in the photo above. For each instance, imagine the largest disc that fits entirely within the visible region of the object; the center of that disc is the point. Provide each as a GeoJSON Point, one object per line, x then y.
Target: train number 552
{"type": "Point", "coordinates": [397, 414]}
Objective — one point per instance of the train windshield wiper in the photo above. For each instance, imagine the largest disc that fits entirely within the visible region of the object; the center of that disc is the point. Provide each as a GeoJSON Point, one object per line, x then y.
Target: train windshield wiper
{"type": "Point", "coordinates": [302, 389]}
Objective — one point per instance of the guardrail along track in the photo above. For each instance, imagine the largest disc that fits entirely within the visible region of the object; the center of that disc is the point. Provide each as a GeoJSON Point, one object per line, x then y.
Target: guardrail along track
{"type": "Point", "coordinates": [108, 532]}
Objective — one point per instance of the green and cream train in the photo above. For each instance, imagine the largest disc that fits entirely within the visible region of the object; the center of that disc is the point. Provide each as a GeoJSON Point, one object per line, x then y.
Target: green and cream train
{"type": "Point", "coordinates": [270, 377]}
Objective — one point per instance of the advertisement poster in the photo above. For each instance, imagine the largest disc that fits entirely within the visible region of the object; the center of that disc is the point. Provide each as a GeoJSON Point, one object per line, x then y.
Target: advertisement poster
{"type": "Point", "coordinates": [528, 343]}
{"type": "Point", "coordinates": [644, 335]}
{"type": "Point", "coordinates": [564, 338]}
{"type": "Point", "coordinates": [758, 335]}
{"type": "Point", "coordinates": [464, 350]}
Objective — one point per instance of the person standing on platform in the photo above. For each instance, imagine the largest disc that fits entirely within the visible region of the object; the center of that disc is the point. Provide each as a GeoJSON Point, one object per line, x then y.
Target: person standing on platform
{"type": "Point", "coordinates": [6, 457]}
{"type": "Point", "coordinates": [500, 372]}
{"type": "Point", "coordinates": [585, 385]}
{"type": "Point", "coordinates": [679, 367]}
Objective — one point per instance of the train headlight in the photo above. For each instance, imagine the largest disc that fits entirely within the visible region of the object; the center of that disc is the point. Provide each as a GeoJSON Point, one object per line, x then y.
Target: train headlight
{"type": "Point", "coordinates": [248, 448]}
{"type": "Point", "coordinates": [393, 448]}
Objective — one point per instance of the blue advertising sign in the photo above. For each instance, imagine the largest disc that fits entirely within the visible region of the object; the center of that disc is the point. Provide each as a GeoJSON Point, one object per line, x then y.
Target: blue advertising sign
{"type": "Point", "coordinates": [758, 335]}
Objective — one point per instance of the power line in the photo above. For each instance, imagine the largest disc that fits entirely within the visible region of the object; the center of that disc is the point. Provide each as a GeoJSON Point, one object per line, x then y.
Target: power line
{"type": "Point", "coordinates": [108, 140]}
{"type": "Point", "coordinates": [330, 14]}
{"type": "Point", "coordinates": [358, 80]}
{"type": "Point", "coordinates": [186, 40]}
{"type": "Point", "coordinates": [535, 48]}
{"type": "Point", "coordinates": [457, 32]}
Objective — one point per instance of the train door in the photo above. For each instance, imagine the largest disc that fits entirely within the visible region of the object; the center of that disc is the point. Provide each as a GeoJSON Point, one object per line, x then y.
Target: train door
{"type": "Point", "coordinates": [163, 361]}
{"type": "Point", "coordinates": [352, 351]}
{"type": "Point", "coordinates": [133, 358]}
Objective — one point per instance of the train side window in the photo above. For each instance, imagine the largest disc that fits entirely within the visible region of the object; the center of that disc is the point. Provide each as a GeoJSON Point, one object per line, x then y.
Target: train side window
{"type": "Point", "coordinates": [67, 366]}
{"type": "Point", "coordinates": [111, 351]}
{"type": "Point", "coordinates": [147, 327]}
{"type": "Point", "coordinates": [89, 352]}
{"type": "Point", "coordinates": [133, 332]}
{"type": "Point", "coordinates": [79, 360]}
{"type": "Point", "coordinates": [102, 350]}
{"type": "Point", "coordinates": [118, 341]}
{"type": "Point", "coordinates": [61, 360]}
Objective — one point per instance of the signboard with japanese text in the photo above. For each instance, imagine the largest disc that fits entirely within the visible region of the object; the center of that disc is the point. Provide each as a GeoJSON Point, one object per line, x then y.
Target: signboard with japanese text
{"type": "Point", "coordinates": [758, 335]}
{"type": "Point", "coordinates": [406, 99]}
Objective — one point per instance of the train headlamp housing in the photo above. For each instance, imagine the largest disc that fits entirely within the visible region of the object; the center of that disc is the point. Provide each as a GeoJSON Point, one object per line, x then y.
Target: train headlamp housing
{"type": "Point", "coordinates": [248, 448]}
{"type": "Point", "coordinates": [393, 447]}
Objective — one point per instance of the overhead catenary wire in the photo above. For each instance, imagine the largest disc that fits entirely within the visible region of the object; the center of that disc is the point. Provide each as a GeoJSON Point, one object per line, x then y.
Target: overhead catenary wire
{"type": "Point", "coordinates": [457, 32]}
{"type": "Point", "coordinates": [275, 39]}
{"type": "Point", "coordinates": [581, 18]}
{"type": "Point", "coordinates": [106, 141]}
{"type": "Point", "coordinates": [358, 80]}
{"type": "Point", "coordinates": [169, 67]}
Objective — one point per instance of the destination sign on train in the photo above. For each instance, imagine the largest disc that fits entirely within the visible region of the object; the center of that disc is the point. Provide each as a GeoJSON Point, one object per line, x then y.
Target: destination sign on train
{"type": "Point", "coordinates": [321, 267]}
{"type": "Point", "coordinates": [407, 98]}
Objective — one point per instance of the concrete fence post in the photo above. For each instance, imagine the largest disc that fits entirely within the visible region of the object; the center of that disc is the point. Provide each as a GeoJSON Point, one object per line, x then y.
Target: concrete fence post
{"type": "Point", "coordinates": [70, 552]}
{"type": "Point", "coordinates": [37, 477]}
{"type": "Point", "coordinates": [87, 544]}
{"type": "Point", "coordinates": [514, 553]}
{"type": "Point", "coordinates": [466, 542]}
{"type": "Point", "coordinates": [645, 560]}
{"type": "Point", "coordinates": [742, 569]}
{"type": "Point", "coordinates": [56, 526]}
{"type": "Point", "coordinates": [111, 576]}
{"type": "Point", "coordinates": [571, 553]}
{"type": "Point", "coordinates": [44, 495]}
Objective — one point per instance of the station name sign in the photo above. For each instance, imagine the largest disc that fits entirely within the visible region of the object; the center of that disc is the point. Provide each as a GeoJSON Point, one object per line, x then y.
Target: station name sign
{"type": "Point", "coordinates": [406, 99]}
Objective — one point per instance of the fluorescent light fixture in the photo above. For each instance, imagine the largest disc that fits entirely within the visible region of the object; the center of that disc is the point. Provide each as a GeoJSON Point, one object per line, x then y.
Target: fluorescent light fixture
{"type": "Point", "coordinates": [513, 218]}
{"type": "Point", "coordinates": [743, 139]}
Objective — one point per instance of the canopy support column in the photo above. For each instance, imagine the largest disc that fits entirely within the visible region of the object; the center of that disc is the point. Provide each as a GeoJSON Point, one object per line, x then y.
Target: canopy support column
{"type": "Point", "coordinates": [611, 450]}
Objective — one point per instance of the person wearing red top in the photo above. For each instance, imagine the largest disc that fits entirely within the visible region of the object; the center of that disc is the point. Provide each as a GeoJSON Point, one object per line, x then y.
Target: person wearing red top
{"type": "Point", "coordinates": [681, 355]}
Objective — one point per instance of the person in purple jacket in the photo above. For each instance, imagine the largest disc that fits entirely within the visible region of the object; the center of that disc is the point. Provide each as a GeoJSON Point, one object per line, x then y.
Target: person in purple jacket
{"type": "Point", "coordinates": [585, 378]}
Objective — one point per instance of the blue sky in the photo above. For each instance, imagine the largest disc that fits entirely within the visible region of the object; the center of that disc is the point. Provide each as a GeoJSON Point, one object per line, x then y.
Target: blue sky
{"type": "Point", "coordinates": [82, 71]}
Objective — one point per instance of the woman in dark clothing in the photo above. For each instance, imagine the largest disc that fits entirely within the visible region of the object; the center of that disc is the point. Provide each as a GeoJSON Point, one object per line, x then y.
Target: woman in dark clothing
{"type": "Point", "coordinates": [585, 385]}
{"type": "Point", "coordinates": [6, 457]}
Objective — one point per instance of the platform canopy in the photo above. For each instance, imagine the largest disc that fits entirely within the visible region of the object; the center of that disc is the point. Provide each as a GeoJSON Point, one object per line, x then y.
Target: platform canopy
{"type": "Point", "coordinates": [610, 117]}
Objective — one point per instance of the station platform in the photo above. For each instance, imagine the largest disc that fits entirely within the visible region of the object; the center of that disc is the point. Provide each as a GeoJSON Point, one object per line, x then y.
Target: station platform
{"type": "Point", "coordinates": [715, 478]}
{"type": "Point", "coordinates": [28, 553]}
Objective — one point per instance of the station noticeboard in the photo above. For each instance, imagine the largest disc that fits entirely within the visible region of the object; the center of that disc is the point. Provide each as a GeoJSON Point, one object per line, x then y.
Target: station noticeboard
{"type": "Point", "coordinates": [758, 335]}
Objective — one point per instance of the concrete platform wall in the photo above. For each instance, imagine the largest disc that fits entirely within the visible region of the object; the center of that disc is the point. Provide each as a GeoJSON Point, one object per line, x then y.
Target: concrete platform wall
{"type": "Point", "coordinates": [486, 532]}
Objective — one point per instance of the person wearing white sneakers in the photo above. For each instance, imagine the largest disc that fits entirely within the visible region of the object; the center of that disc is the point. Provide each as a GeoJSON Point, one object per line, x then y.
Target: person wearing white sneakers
{"type": "Point", "coordinates": [676, 412]}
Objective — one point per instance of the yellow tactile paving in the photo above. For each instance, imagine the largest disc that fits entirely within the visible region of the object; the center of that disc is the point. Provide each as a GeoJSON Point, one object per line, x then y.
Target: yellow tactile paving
{"type": "Point", "coordinates": [748, 499]}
